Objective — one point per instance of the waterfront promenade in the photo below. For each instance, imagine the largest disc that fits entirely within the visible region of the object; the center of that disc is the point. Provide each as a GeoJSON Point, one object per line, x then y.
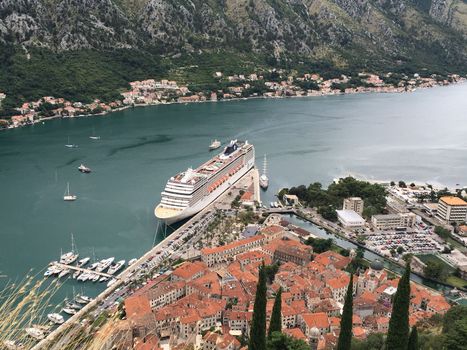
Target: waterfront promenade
{"type": "Point", "coordinates": [72, 325]}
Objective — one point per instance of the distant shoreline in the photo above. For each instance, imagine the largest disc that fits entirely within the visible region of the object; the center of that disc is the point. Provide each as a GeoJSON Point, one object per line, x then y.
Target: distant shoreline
{"type": "Point", "coordinates": [321, 94]}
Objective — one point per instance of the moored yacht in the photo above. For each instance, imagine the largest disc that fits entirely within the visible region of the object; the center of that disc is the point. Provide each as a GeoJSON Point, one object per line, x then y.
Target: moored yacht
{"type": "Point", "coordinates": [56, 318]}
{"type": "Point", "coordinates": [214, 145]}
{"type": "Point", "coordinates": [83, 299]}
{"type": "Point", "coordinates": [64, 273]}
{"type": "Point", "coordinates": [70, 257]}
{"type": "Point", "coordinates": [71, 305]}
{"type": "Point", "coordinates": [263, 179]}
{"type": "Point", "coordinates": [52, 270]}
{"type": "Point", "coordinates": [111, 282]}
{"type": "Point", "coordinates": [83, 261]}
{"type": "Point", "coordinates": [115, 267]}
{"type": "Point", "coordinates": [104, 264]}
{"type": "Point", "coordinates": [35, 333]}
{"type": "Point", "coordinates": [13, 345]}
{"type": "Point", "coordinates": [132, 261]}
{"type": "Point", "coordinates": [69, 311]}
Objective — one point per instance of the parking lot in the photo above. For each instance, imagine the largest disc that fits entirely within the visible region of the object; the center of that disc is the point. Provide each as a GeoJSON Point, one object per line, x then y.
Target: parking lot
{"type": "Point", "coordinates": [415, 242]}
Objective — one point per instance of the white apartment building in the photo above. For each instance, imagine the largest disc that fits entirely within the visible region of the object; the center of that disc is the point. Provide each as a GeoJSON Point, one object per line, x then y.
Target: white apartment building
{"type": "Point", "coordinates": [452, 209]}
{"type": "Point", "coordinates": [353, 203]}
{"type": "Point", "coordinates": [393, 221]}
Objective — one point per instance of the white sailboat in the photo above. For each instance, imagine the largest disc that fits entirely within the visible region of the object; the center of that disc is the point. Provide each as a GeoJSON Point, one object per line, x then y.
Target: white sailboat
{"type": "Point", "coordinates": [94, 137]}
{"type": "Point", "coordinates": [67, 196]}
{"type": "Point", "coordinates": [70, 257]}
{"type": "Point", "coordinates": [263, 179]}
{"type": "Point", "coordinates": [70, 145]}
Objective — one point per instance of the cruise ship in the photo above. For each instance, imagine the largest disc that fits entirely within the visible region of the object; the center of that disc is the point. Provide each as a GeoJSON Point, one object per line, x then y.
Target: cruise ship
{"type": "Point", "coordinates": [189, 192]}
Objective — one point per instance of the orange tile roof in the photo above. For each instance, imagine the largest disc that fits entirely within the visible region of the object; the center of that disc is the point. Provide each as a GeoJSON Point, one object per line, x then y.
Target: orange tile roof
{"type": "Point", "coordinates": [295, 333]}
{"type": "Point", "coordinates": [451, 200]}
{"type": "Point", "coordinates": [358, 332]}
{"type": "Point", "coordinates": [189, 269]}
{"type": "Point", "coordinates": [338, 283]}
{"type": "Point", "coordinates": [317, 319]}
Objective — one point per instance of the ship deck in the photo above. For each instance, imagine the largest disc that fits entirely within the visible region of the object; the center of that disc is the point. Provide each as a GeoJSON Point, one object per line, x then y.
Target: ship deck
{"type": "Point", "coordinates": [216, 164]}
{"type": "Point", "coordinates": [165, 213]}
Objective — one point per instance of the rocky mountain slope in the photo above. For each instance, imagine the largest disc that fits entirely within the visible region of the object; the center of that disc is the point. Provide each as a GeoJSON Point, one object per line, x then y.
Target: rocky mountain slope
{"type": "Point", "coordinates": [341, 31]}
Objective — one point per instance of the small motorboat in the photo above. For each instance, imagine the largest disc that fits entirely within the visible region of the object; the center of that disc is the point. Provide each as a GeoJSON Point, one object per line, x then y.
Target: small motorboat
{"type": "Point", "coordinates": [35, 333]}
{"type": "Point", "coordinates": [83, 299]}
{"type": "Point", "coordinates": [64, 273]}
{"type": "Point", "coordinates": [84, 169]}
{"type": "Point", "coordinates": [111, 282]}
{"type": "Point", "coordinates": [83, 261]}
{"type": "Point", "coordinates": [56, 318]}
{"type": "Point", "coordinates": [214, 145]}
{"type": "Point", "coordinates": [69, 310]}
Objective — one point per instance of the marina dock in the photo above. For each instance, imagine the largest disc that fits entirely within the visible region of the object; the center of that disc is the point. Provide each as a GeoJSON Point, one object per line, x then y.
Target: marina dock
{"type": "Point", "coordinates": [81, 269]}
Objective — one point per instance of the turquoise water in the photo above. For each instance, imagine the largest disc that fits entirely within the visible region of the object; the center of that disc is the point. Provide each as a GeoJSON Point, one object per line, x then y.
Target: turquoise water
{"type": "Point", "coordinates": [416, 136]}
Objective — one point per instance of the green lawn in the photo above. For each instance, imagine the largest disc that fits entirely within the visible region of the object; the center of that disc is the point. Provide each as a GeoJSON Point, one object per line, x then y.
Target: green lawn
{"type": "Point", "coordinates": [456, 281]}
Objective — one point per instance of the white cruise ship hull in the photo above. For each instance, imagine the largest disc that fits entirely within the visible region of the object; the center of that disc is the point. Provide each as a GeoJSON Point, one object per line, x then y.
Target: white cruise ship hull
{"type": "Point", "coordinates": [204, 202]}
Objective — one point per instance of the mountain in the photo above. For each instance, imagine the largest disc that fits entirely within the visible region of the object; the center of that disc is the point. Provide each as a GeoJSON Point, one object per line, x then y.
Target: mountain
{"type": "Point", "coordinates": [373, 34]}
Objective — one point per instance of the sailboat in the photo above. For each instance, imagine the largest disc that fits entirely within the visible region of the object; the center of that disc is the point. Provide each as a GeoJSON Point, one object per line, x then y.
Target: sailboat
{"type": "Point", "coordinates": [94, 137]}
{"type": "Point", "coordinates": [70, 257]}
{"type": "Point", "coordinates": [263, 179]}
{"type": "Point", "coordinates": [70, 145]}
{"type": "Point", "coordinates": [68, 196]}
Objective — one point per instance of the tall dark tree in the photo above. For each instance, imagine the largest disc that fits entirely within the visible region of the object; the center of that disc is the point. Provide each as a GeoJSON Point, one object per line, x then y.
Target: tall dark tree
{"type": "Point", "coordinates": [398, 332]}
{"type": "Point", "coordinates": [413, 339]}
{"type": "Point", "coordinates": [345, 335]}
{"type": "Point", "coordinates": [275, 325]}
{"type": "Point", "coordinates": [257, 339]}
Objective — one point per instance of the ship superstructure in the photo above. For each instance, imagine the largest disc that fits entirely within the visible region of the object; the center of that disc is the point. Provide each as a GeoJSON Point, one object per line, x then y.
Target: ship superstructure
{"type": "Point", "coordinates": [191, 191]}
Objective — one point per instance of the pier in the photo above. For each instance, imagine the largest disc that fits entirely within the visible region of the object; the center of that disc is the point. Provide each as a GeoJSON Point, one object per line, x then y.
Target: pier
{"type": "Point", "coordinates": [81, 269]}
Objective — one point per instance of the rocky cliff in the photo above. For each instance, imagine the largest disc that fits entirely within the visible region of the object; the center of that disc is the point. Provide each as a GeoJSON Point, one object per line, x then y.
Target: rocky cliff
{"type": "Point", "coordinates": [337, 30]}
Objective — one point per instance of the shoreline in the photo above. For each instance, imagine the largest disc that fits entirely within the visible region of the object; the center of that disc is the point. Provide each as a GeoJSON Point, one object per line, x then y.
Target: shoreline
{"type": "Point", "coordinates": [321, 94]}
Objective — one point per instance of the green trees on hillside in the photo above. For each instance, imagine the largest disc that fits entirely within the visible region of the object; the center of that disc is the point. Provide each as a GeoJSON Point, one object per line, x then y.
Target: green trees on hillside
{"type": "Point", "coordinates": [330, 199]}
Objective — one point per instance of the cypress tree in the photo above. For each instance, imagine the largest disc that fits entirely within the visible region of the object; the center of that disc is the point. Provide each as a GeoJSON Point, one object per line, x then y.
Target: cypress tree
{"type": "Point", "coordinates": [413, 339]}
{"type": "Point", "coordinates": [398, 332]}
{"type": "Point", "coordinates": [257, 339]}
{"type": "Point", "coordinates": [345, 335]}
{"type": "Point", "coordinates": [275, 325]}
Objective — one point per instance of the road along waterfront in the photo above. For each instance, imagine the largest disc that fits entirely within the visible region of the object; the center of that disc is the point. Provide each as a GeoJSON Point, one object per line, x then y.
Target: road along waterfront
{"type": "Point", "coordinates": [150, 259]}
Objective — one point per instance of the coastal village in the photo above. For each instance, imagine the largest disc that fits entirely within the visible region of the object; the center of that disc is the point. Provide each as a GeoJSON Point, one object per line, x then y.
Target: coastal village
{"type": "Point", "coordinates": [279, 84]}
{"type": "Point", "coordinates": [208, 303]}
